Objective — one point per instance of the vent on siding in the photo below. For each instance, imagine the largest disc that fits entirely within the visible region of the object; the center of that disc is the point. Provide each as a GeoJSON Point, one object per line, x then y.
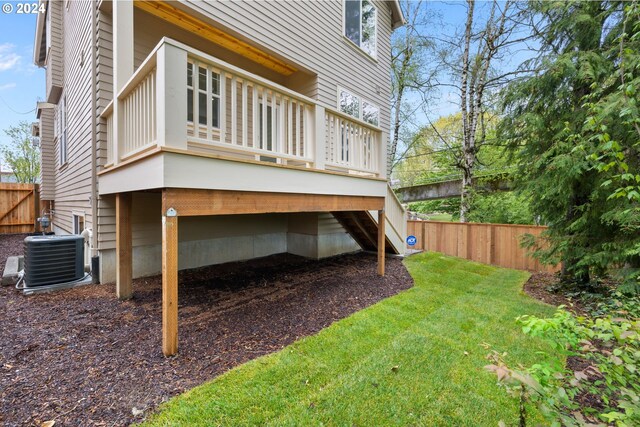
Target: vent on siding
{"type": "Point", "coordinates": [51, 260]}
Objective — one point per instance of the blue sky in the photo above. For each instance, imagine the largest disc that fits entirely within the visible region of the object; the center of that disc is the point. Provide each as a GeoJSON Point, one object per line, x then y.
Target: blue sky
{"type": "Point", "coordinates": [22, 84]}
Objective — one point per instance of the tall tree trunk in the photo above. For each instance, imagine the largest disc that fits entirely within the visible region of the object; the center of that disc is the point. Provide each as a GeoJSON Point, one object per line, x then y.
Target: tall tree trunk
{"type": "Point", "coordinates": [396, 131]}
{"type": "Point", "coordinates": [466, 163]}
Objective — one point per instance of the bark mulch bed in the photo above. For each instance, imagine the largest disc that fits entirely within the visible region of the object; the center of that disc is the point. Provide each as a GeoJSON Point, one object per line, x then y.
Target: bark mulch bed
{"type": "Point", "coordinates": [540, 286]}
{"type": "Point", "coordinates": [81, 357]}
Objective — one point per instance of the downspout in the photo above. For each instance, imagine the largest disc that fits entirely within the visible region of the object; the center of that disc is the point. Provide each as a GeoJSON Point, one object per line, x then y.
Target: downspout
{"type": "Point", "coordinates": [94, 143]}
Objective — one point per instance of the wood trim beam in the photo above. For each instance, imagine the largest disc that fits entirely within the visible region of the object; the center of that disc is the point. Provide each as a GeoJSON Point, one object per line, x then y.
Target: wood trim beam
{"type": "Point", "coordinates": [381, 241]}
{"type": "Point", "coordinates": [160, 150]}
{"type": "Point", "coordinates": [358, 224]}
{"type": "Point", "coordinates": [169, 285]}
{"type": "Point", "coordinates": [124, 247]}
{"type": "Point", "coordinates": [169, 13]}
{"type": "Point", "coordinates": [192, 202]}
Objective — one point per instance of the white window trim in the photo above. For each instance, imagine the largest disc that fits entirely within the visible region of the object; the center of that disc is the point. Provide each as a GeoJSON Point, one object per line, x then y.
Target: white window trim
{"type": "Point", "coordinates": [62, 133]}
{"type": "Point", "coordinates": [373, 57]}
{"type": "Point", "coordinates": [74, 215]}
{"type": "Point", "coordinates": [361, 99]}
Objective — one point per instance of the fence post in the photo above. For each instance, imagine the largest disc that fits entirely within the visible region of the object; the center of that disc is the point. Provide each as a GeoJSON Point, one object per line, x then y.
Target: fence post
{"type": "Point", "coordinates": [36, 206]}
{"type": "Point", "coordinates": [491, 244]}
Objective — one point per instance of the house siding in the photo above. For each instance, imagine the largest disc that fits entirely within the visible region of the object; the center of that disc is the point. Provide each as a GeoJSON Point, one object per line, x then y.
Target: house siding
{"type": "Point", "coordinates": [47, 155]}
{"type": "Point", "coordinates": [72, 186]}
{"type": "Point", "coordinates": [313, 38]}
{"type": "Point", "coordinates": [321, 49]}
{"type": "Point", "coordinates": [54, 57]}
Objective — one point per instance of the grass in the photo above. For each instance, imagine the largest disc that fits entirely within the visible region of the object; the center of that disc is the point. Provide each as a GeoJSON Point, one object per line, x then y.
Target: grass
{"type": "Point", "coordinates": [413, 359]}
{"type": "Point", "coordinates": [440, 217]}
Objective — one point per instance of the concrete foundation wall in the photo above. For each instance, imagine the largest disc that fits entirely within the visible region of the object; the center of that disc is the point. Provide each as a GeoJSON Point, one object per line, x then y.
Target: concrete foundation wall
{"type": "Point", "coordinates": [216, 240]}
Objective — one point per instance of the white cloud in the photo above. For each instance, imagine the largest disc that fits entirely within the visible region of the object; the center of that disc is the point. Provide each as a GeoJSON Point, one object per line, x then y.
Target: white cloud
{"type": "Point", "coordinates": [9, 59]}
{"type": "Point", "coordinates": [7, 86]}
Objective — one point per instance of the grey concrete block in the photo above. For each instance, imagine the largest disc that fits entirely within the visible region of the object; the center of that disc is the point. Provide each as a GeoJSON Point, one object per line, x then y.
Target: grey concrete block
{"type": "Point", "coordinates": [11, 268]}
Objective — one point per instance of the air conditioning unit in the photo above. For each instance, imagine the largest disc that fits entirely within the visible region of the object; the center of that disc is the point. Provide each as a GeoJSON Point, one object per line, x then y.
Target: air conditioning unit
{"type": "Point", "coordinates": [50, 260]}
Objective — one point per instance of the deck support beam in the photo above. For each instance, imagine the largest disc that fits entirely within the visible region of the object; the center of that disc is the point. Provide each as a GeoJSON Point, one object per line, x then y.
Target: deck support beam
{"type": "Point", "coordinates": [169, 285]}
{"type": "Point", "coordinates": [381, 242]}
{"type": "Point", "coordinates": [124, 243]}
{"type": "Point", "coordinates": [178, 202]}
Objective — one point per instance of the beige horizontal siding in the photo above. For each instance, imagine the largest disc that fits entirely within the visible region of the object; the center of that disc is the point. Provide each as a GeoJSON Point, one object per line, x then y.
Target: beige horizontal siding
{"type": "Point", "coordinates": [47, 155]}
{"type": "Point", "coordinates": [73, 180]}
{"type": "Point", "coordinates": [55, 58]}
{"type": "Point", "coordinates": [308, 34]}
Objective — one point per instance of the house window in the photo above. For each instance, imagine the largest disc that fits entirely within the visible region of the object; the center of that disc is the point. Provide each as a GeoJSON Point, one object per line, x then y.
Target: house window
{"type": "Point", "coordinates": [349, 103]}
{"type": "Point", "coordinates": [62, 135]}
{"type": "Point", "coordinates": [354, 106]}
{"type": "Point", "coordinates": [207, 86]}
{"type": "Point", "coordinates": [78, 223]}
{"type": "Point", "coordinates": [360, 24]}
{"type": "Point", "coordinates": [370, 113]}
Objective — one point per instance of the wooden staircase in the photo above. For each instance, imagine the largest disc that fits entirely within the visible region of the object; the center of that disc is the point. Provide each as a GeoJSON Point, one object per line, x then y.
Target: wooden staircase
{"type": "Point", "coordinates": [364, 230]}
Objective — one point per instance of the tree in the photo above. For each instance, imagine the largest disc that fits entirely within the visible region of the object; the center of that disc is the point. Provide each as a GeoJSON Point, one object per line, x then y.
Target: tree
{"type": "Point", "coordinates": [22, 154]}
{"type": "Point", "coordinates": [410, 74]}
{"type": "Point", "coordinates": [574, 125]}
{"type": "Point", "coordinates": [475, 80]}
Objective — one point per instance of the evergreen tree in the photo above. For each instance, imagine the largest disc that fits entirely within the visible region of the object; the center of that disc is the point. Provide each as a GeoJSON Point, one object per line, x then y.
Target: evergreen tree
{"type": "Point", "coordinates": [553, 118]}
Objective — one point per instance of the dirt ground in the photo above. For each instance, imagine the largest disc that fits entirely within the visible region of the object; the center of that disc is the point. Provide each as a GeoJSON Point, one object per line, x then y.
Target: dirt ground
{"type": "Point", "coordinates": [538, 286]}
{"type": "Point", "coordinates": [81, 357]}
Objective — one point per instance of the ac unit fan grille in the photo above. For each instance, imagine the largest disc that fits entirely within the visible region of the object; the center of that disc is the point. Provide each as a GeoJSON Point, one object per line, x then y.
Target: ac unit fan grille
{"type": "Point", "coordinates": [53, 259]}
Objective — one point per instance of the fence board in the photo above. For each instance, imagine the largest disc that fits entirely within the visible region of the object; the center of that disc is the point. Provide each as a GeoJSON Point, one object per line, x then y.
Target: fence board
{"type": "Point", "coordinates": [497, 244]}
{"type": "Point", "coordinates": [18, 208]}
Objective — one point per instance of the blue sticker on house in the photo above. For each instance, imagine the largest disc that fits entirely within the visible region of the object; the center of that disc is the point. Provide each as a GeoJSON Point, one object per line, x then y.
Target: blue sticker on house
{"type": "Point", "coordinates": [411, 240]}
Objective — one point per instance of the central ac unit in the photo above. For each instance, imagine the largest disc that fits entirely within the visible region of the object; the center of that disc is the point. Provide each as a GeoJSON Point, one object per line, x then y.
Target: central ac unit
{"type": "Point", "coordinates": [50, 260]}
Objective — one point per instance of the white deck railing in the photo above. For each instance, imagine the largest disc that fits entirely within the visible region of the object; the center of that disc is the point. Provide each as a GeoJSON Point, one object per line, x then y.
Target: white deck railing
{"type": "Point", "coordinates": [182, 98]}
{"type": "Point", "coordinates": [139, 109]}
{"type": "Point", "coordinates": [350, 145]}
{"type": "Point", "coordinates": [396, 214]}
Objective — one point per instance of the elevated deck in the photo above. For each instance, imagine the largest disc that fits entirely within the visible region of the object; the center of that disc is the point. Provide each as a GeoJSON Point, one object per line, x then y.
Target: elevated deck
{"type": "Point", "coordinates": [215, 139]}
{"type": "Point", "coordinates": [190, 120]}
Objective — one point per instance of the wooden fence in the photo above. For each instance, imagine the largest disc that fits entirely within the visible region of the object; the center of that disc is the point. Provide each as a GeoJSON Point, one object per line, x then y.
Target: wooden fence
{"type": "Point", "coordinates": [497, 244]}
{"type": "Point", "coordinates": [19, 206]}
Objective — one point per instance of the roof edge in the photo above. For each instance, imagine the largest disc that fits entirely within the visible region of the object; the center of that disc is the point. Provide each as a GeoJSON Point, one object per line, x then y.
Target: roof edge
{"type": "Point", "coordinates": [38, 55]}
{"type": "Point", "coordinates": [397, 17]}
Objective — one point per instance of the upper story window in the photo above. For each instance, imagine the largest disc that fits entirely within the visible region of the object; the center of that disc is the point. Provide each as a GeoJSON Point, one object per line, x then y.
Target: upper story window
{"type": "Point", "coordinates": [203, 93]}
{"type": "Point", "coordinates": [353, 105]}
{"type": "Point", "coordinates": [360, 24]}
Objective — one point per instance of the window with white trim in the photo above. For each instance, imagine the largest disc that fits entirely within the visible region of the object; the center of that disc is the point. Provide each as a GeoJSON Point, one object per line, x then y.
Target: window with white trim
{"type": "Point", "coordinates": [360, 24]}
{"type": "Point", "coordinates": [62, 134]}
{"type": "Point", "coordinates": [78, 223]}
{"type": "Point", "coordinates": [207, 85]}
{"type": "Point", "coordinates": [353, 105]}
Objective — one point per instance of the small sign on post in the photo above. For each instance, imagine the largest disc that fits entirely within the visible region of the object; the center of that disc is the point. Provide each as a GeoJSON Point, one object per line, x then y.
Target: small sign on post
{"type": "Point", "coordinates": [412, 240]}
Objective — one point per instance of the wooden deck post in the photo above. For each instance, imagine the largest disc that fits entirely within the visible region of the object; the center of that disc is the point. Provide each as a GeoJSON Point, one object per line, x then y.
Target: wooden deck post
{"type": "Point", "coordinates": [381, 242]}
{"type": "Point", "coordinates": [169, 284]}
{"type": "Point", "coordinates": [124, 258]}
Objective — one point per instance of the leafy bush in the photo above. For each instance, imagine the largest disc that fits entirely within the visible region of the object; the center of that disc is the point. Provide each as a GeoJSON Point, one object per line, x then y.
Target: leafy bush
{"type": "Point", "coordinates": [496, 208]}
{"type": "Point", "coordinates": [600, 382]}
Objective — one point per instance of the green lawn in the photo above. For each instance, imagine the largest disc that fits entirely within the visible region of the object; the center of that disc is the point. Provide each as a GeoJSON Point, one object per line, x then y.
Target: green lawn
{"type": "Point", "coordinates": [440, 217]}
{"type": "Point", "coordinates": [399, 362]}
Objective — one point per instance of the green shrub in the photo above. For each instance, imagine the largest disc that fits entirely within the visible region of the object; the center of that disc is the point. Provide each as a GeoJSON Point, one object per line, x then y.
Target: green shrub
{"type": "Point", "coordinates": [602, 387]}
